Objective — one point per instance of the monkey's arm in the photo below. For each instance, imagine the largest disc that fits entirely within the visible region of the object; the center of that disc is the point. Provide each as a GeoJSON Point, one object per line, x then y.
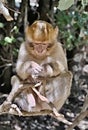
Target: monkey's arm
{"type": "Point", "coordinates": [52, 69]}
{"type": "Point", "coordinates": [25, 67]}
{"type": "Point", "coordinates": [55, 63]}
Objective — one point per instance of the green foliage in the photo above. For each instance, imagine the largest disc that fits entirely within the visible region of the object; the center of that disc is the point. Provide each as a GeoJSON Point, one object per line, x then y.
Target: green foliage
{"type": "Point", "coordinates": [7, 41]}
{"type": "Point", "coordinates": [10, 41]}
{"type": "Point", "coordinates": [1, 25]}
{"type": "Point", "coordinates": [73, 26]}
{"type": "Point", "coordinates": [15, 29]}
{"type": "Point", "coordinates": [15, 52]}
{"type": "Point", "coordinates": [65, 4]}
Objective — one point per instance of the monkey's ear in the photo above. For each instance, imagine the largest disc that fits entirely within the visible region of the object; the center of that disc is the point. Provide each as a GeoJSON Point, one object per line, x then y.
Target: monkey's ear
{"type": "Point", "coordinates": [27, 33]}
{"type": "Point", "coordinates": [26, 29]}
{"type": "Point", "coordinates": [56, 30]}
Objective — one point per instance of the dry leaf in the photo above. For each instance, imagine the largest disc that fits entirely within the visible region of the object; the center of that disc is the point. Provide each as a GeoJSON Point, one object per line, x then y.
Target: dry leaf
{"type": "Point", "coordinates": [5, 12]}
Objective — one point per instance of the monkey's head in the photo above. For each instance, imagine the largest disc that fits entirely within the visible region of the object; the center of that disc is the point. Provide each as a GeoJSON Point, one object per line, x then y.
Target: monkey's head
{"type": "Point", "coordinates": [41, 38]}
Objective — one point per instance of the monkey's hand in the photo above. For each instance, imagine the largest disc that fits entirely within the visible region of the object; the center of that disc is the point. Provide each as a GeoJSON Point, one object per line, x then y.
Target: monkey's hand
{"type": "Point", "coordinates": [52, 69]}
{"type": "Point", "coordinates": [47, 70]}
{"type": "Point", "coordinates": [34, 68]}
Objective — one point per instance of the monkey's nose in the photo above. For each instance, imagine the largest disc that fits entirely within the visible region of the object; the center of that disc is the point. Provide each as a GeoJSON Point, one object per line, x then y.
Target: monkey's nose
{"type": "Point", "coordinates": [39, 48]}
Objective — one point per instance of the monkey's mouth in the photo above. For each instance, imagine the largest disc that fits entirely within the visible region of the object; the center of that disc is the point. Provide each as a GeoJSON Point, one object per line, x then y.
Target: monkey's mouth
{"type": "Point", "coordinates": [40, 52]}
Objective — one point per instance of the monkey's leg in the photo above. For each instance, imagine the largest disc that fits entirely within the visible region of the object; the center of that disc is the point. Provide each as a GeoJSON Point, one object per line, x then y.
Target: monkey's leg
{"type": "Point", "coordinates": [55, 113]}
{"type": "Point", "coordinates": [15, 109]}
{"type": "Point", "coordinates": [16, 84]}
{"type": "Point", "coordinates": [43, 98]}
{"type": "Point", "coordinates": [7, 105]}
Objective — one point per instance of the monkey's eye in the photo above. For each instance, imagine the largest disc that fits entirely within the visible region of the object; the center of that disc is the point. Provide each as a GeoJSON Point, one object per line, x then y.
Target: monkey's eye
{"type": "Point", "coordinates": [50, 45]}
{"type": "Point", "coordinates": [31, 44]}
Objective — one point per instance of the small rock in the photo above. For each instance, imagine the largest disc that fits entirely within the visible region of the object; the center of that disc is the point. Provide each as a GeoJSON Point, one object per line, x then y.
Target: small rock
{"type": "Point", "coordinates": [70, 114]}
{"type": "Point", "coordinates": [85, 69]}
{"type": "Point", "coordinates": [83, 125]}
{"type": "Point", "coordinates": [78, 57]}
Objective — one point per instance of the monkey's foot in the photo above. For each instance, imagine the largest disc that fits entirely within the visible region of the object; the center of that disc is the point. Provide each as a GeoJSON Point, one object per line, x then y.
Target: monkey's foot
{"type": "Point", "coordinates": [14, 108]}
{"type": "Point", "coordinates": [56, 113]}
{"type": "Point", "coordinates": [5, 106]}
{"type": "Point", "coordinates": [60, 117]}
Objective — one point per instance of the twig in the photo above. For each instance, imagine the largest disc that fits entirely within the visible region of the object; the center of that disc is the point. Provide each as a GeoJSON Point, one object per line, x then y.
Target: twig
{"type": "Point", "coordinates": [4, 59]}
{"type": "Point", "coordinates": [5, 65]}
{"type": "Point", "coordinates": [5, 70]}
{"type": "Point", "coordinates": [15, 11]}
{"type": "Point", "coordinates": [26, 14]}
{"type": "Point", "coordinates": [85, 105]}
{"type": "Point", "coordinates": [78, 119]}
{"type": "Point", "coordinates": [81, 116]}
{"type": "Point", "coordinates": [3, 95]}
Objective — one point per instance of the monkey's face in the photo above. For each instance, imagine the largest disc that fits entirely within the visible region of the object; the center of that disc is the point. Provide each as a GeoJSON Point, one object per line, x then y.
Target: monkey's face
{"type": "Point", "coordinates": [41, 38]}
{"type": "Point", "coordinates": [40, 50]}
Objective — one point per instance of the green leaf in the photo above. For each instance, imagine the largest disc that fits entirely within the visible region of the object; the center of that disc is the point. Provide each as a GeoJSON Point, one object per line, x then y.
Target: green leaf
{"type": "Point", "coordinates": [65, 4]}
{"type": "Point", "coordinates": [1, 25]}
{"type": "Point", "coordinates": [8, 39]}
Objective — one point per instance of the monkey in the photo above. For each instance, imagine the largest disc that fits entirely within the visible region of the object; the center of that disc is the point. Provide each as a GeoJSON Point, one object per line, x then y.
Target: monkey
{"type": "Point", "coordinates": [41, 60]}
{"type": "Point", "coordinates": [41, 48]}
